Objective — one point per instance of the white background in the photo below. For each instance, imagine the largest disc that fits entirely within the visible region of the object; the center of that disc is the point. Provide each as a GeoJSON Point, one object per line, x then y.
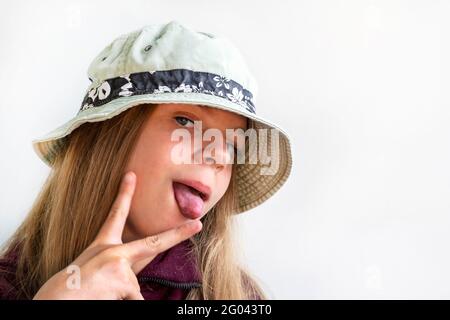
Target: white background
{"type": "Point", "coordinates": [362, 88]}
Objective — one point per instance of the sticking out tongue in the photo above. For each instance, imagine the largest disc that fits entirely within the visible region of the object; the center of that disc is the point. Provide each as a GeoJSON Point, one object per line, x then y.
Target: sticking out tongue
{"type": "Point", "coordinates": [189, 201]}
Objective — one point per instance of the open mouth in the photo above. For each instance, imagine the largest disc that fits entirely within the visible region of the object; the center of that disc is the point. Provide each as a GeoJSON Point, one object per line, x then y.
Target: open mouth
{"type": "Point", "coordinates": [200, 194]}
{"type": "Point", "coordinates": [191, 197]}
{"type": "Point", "coordinates": [197, 188]}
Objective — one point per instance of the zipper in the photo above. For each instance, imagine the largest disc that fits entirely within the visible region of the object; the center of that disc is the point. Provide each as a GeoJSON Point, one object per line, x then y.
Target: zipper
{"type": "Point", "coordinates": [172, 284]}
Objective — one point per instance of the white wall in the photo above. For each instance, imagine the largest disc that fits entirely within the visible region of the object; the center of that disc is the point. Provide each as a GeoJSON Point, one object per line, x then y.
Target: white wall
{"type": "Point", "coordinates": [361, 86]}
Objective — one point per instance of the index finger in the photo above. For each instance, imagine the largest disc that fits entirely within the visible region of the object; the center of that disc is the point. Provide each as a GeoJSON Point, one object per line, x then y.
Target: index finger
{"type": "Point", "coordinates": [112, 228]}
{"type": "Point", "coordinates": [140, 252]}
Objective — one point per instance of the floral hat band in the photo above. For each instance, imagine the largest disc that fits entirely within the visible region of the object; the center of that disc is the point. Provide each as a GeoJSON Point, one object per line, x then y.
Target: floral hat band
{"type": "Point", "coordinates": [171, 63]}
{"type": "Point", "coordinates": [176, 80]}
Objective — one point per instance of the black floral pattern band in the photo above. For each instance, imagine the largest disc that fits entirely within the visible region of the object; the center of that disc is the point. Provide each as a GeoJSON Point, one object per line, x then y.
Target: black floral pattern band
{"type": "Point", "coordinates": [175, 80]}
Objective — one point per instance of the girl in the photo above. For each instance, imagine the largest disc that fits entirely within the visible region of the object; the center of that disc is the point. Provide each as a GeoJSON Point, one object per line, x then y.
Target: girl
{"type": "Point", "coordinates": [118, 217]}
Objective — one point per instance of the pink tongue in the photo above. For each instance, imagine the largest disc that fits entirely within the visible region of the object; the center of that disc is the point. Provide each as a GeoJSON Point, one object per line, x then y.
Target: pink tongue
{"type": "Point", "coordinates": [190, 204]}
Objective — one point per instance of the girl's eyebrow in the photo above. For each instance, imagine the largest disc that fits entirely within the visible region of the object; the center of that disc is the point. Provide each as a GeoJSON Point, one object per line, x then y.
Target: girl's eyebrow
{"type": "Point", "coordinates": [205, 114]}
{"type": "Point", "coordinates": [188, 113]}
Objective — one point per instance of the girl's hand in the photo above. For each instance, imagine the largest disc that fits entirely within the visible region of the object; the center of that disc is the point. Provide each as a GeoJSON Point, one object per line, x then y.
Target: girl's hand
{"type": "Point", "coordinates": [107, 268]}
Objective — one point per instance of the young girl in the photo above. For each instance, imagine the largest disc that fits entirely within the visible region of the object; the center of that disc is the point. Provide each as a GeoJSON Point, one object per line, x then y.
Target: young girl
{"type": "Point", "coordinates": [119, 217]}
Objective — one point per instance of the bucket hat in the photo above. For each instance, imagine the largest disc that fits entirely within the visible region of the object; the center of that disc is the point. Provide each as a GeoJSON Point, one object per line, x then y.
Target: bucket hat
{"type": "Point", "coordinates": [172, 63]}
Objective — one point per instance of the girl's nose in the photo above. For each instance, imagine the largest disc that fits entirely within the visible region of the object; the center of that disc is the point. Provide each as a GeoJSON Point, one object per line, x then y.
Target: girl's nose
{"type": "Point", "coordinates": [211, 161]}
{"type": "Point", "coordinates": [216, 154]}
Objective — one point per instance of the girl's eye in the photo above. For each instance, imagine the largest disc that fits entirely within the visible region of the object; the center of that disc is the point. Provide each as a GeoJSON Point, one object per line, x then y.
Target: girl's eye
{"type": "Point", "coordinates": [185, 122]}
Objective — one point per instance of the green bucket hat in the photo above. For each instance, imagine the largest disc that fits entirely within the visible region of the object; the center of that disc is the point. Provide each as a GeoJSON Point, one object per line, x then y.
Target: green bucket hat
{"type": "Point", "coordinates": [170, 63]}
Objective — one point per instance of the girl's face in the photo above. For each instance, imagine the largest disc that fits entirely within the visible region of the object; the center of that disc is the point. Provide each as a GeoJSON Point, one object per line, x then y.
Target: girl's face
{"type": "Point", "coordinates": [155, 206]}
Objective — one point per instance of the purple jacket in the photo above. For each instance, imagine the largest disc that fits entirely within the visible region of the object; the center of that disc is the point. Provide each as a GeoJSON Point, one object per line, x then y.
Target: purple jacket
{"type": "Point", "coordinates": [169, 276]}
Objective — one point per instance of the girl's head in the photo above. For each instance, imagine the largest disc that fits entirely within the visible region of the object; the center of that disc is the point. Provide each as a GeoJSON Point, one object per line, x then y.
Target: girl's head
{"type": "Point", "coordinates": [84, 182]}
{"type": "Point", "coordinates": [155, 207]}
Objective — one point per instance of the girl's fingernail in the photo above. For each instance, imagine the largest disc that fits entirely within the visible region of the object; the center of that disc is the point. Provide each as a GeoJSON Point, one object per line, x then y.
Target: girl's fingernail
{"type": "Point", "coordinates": [129, 177]}
{"type": "Point", "coordinates": [198, 223]}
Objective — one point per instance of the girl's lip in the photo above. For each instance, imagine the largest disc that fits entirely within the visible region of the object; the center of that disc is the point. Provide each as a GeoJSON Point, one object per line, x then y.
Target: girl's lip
{"type": "Point", "coordinates": [197, 185]}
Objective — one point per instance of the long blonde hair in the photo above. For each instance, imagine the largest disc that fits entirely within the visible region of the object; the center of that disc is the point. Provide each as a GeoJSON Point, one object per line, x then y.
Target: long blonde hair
{"type": "Point", "coordinates": [77, 196]}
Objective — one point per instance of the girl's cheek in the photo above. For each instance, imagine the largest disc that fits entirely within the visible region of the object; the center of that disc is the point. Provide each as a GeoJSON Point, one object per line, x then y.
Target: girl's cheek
{"type": "Point", "coordinates": [224, 180]}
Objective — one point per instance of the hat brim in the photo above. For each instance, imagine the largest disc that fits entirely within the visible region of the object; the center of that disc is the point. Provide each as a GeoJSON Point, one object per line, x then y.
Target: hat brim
{"type": "Point", "coordinates": [253, 187]}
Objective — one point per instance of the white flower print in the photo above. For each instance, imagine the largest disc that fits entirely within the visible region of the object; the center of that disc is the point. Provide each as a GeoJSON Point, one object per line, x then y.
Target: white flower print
{"type": "Point", "coordinates": [124, 90]}
{"type": "Point", "coordinates": [93, 93]}
{"type": "Point", "coordinates": [236, 95]}
{"type": "Point", "coordinates": [184, 88]}
{"type": "Point", "coordinates": [104, 90]}
{"type": "Point", "coordinates": [200, 87]}
{"type": "Point", "coordinates": [249, 99]}
{"type": "Point", "coordinates": [222, 81]}
{"type": "Point", "coordinates": [162, 89]}
{"type": "Point", "coordinates": [242, 103]}
{"type": "Point", "coordinates": [209, 92]}
{"type": "Point", "coordinates": [86, 106]}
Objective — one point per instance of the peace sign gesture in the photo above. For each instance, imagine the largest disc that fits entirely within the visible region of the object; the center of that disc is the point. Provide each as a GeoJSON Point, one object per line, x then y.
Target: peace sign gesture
{"type": "Point", "coordinates": [107, 269]}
